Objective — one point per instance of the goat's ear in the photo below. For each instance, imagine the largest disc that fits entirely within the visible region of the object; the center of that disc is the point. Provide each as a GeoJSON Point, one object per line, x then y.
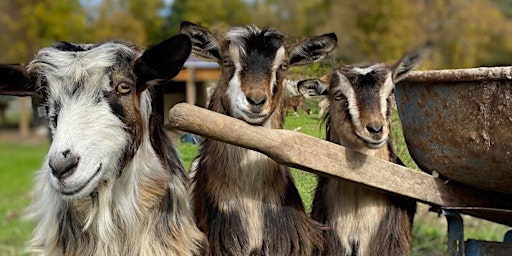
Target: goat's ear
{"type": "Point", "coordinates": [161, 62]}
{"type": "Point", "coordinates": [204, 44]}
{"type": "Point", "coordinates": [409, 61]}
{"type": "Point", "coordinates": [312, 87]}
{"type": "Point", "coordinates": [15, 81]}
{"type": "Point", "coordinates": [312, 49]}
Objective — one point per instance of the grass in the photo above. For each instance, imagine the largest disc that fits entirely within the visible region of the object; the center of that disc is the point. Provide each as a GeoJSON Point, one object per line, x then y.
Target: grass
{"type": "Point", "coordinates": [19, 161]}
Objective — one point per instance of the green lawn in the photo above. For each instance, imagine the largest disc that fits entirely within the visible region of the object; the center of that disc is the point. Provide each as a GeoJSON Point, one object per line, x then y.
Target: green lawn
{"type": "Point", "coordinates": [18, 163]}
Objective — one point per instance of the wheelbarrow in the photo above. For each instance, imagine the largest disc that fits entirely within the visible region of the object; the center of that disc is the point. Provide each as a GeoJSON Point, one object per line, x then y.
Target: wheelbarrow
{"type": "Point", "coordinates": [457, 125]}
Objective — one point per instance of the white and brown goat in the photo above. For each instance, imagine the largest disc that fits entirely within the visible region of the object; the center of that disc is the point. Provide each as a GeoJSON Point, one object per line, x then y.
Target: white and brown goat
{"type": "Point", "coordinates": [112, 182]}
{"type": "Point", "coordinates": [246, 203]}
{"type": "Point", "coordinates": [362, 221]}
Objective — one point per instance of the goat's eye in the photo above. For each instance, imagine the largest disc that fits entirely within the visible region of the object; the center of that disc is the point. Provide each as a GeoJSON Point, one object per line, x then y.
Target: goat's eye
{"type": "Point", "coordinates": [284, 66]}
{"type": "Point", "coordinates": [338, 95]}
{"type": "Point", "coordinates": [226, 61]}
{"type": "Point", "coordinates": [124, 88]}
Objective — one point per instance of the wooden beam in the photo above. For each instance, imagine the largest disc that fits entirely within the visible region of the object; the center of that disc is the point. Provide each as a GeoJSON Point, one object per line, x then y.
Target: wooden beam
{"type": "Point", "coordinates": [328, 159]}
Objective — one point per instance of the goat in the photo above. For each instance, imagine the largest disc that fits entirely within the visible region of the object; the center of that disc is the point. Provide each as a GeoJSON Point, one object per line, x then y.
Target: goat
{"type": "Point", "coordinates": [362, 221]}
{"type": "Point", "coordinates": [112, 182]}
{"type": "Point", "coordinates": [246, 203]}
{"type": "Point", "coordinates": [295, 102]}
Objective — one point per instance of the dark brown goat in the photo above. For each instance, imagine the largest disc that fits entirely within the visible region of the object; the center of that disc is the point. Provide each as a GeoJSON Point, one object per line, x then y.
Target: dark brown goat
{"type": "Point", "coordinates": [245, 202]}
{"type": "Point", "coordinates": [362, 221]}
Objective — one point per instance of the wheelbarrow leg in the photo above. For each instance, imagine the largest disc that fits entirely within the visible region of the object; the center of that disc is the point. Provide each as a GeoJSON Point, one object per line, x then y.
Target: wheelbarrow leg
{"type": "Point", "coordinates": [508, 237]}
{"type": "Point", "coordinates": [455, 233]}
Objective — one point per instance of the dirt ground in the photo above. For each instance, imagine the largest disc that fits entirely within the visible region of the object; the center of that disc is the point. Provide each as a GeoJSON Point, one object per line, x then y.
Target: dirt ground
{"type": "Point", "coordinates": [13, 135]}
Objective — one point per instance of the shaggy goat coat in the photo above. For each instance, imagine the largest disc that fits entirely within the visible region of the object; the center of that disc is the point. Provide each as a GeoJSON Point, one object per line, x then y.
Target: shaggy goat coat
{"type": "Point", "coordinates": [362, 221]}
{"type": "Point", "coordinates": [245, 202]}
{"type": "Point", "coordinates": [112, 182]}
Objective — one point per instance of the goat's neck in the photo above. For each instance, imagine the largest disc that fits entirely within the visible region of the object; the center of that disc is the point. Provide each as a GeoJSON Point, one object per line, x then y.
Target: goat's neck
{"type": "Point", "coordinates": [247, 170]}
{"type": "Point", "coordinates": [359, 210]}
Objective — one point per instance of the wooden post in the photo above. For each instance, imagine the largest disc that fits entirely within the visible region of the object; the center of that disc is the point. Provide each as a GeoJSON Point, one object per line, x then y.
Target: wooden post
{"type": "Point", "coordinates": [24, 123]}
{"type": "Point", "coordinates": [191, 88]}
{"type": "Point", "coordinates": [328, 159]}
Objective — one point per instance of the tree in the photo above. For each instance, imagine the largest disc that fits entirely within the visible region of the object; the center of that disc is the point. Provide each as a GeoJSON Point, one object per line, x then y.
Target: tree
{"type": "Point", "coordinates": [378, 30]}
{"type": "Point", "coordinates": [467, 33]}
{"type": "Point", "coordinates": [30, 25]}
{"type": "Point", "coordinates": [148, 13]}
{"type": "Point", "coordinates": [298, 18]}
{"type": "Point", "coordinates": [113, 20]}
{"type": "Point", "coordinates": [216, 15]}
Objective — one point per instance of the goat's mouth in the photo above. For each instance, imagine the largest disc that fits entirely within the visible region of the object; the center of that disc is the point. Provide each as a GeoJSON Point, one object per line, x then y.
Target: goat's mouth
{"type": "Point", "coordinates": [254, 118]}
{"type": "Point", "coordinates": [77, 189]}
{"type": "Point", "coordinates": [373, 144]}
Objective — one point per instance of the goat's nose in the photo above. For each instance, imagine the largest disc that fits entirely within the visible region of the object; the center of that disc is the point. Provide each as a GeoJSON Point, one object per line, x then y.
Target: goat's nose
{"type": "Point", "coordinates": [63, 164]}
{"type": "Point", "coordinates": [257, 100]}
{"type": "Point", "coordinates": [374, 128]}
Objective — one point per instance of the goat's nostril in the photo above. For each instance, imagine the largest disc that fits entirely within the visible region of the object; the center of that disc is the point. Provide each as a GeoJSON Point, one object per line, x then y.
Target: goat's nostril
{"type": "Point", "coordinates": [63, 165]}
{"type": "Point", "coordinates": [374, 128]}
{"type": "Point", "coordinates": [257, 100]}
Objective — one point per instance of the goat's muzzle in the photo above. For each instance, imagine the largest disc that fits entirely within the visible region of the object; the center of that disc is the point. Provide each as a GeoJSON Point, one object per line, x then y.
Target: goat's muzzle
{"type": "Point", "coordinates": [63, 164]}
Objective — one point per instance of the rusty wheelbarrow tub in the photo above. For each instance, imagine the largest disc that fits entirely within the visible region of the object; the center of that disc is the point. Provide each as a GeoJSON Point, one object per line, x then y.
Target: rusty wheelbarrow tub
{"type": "Point", "coordinates": [459, 123]}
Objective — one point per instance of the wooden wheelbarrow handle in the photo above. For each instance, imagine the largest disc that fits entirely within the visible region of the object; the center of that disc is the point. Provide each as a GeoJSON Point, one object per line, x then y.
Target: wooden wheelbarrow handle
{"type": "Point", "coordinates": [328, 159]}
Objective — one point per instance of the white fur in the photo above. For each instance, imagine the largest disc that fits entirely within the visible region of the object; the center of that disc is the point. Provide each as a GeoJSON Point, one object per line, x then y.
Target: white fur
{"type": "Point", "coordinates": [363, 71]}
{"type": "Point", "coordinates": [346, 88]}
{"type": "Point", "coordinates": [356, 212]}
{"type": "Point", "coordinates": [384, 93]}
{"type": "Point", "coordinates": [235, 34]}
{"type": "Point", "coordinates": [239, 103]}
{"type": "Point", "coordinates": [278, 60]}
{"type": "Point", "coordinates": [108, 208]}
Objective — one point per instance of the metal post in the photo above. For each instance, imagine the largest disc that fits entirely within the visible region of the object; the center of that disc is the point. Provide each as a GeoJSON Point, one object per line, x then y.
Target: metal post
{"type": "Point", "coordinates": [455, 233]}
{"type": "Point", "coordinates": [507, 238]}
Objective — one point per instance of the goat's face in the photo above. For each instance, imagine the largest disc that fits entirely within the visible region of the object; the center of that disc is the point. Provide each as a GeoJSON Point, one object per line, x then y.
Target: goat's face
{"type": "Point", "coordinates": [359, 100]}
{"type": "Point", "coordinates": [97, 106]}
{"type": "Point", "coordinates": [253, 63]}
{"type": "Point", "coordinates": [359, 104]}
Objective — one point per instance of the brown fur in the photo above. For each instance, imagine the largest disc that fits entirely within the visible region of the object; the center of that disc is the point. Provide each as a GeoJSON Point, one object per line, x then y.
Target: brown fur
{"type": "Point", "coordinates": [295, 102]}
{"type": "Point", "coordinates": [245, 202]}
{"type": "Point", "coordinates": [362, 221]}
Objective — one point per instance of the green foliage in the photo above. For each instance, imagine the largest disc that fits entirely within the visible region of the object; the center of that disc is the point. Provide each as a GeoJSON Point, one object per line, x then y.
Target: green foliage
{"type": "Point", "coordinates": [147, 12]}
{"type": "Point", "coordinates": [29, 25]}
{"type": "Point", "coordinates": [216, 15]}
{"type": "Point", "coordinates": [377, 30]}
{"type": "Point", "coordinates": [315, 70]}
{"type": "Point", "coordinates": [465, 33]}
